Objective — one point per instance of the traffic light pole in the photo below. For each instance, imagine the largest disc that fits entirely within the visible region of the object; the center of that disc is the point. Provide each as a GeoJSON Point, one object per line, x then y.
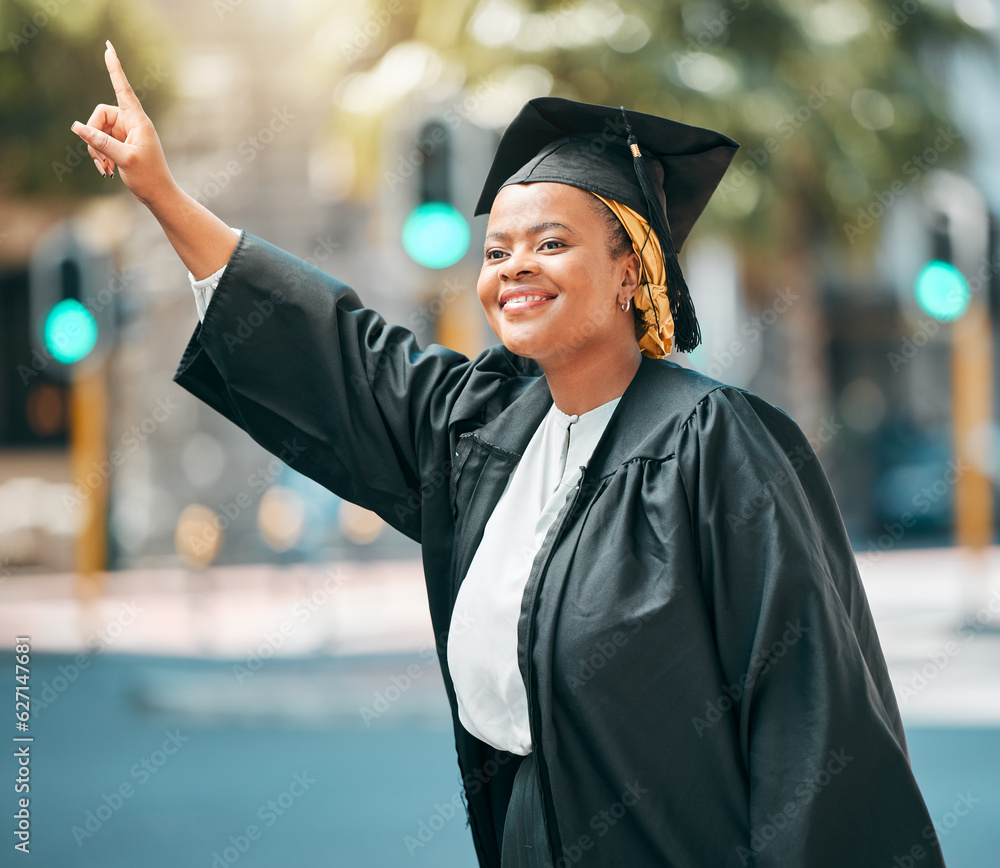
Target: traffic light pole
{"type": "Point", "coordinates": [960, 238]}
{"type": "Point", "coordinates": [972, 389]}
{"type": "Point", "coordinates": [73, 326]}
{"type": "Point", "coordinates": [88, 453]}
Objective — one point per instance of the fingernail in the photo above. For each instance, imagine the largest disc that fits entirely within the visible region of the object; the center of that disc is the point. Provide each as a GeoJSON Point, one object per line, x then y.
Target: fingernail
{"type": "Point", "coordinates": [74, 125]}
{"type": "Point", "coordinates": [100, 168]}
{"type": "Point", "coordinates": [107, 42]}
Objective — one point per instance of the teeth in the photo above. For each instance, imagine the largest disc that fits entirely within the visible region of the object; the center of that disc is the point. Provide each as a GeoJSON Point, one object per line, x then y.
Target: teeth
{"type": "Point", "coordinates": [522, 298]}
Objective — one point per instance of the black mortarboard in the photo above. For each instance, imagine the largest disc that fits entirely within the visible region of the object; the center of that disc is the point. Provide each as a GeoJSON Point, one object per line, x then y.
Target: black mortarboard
{"type": "Point", "coordinates": [664, 170]}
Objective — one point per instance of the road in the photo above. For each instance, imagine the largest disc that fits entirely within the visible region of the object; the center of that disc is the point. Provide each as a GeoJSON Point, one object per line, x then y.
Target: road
{"type": "Point", "coordinates": [269, 716]}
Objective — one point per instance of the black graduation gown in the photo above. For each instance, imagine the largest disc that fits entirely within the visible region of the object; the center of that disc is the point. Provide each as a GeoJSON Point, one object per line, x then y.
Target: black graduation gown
{"type": "Point", "coordinates": [705, 684]}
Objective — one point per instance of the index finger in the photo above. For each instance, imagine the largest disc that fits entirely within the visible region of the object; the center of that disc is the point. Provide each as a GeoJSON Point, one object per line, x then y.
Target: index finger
{"type": "Point", "coordinates": [123, 90]}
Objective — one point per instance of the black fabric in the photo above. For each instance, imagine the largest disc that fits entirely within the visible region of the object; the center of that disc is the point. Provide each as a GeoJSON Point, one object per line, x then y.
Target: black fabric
{"type": "Point", "coordinates": [585, 146]}
{"type": "Point", "coordinates": [588, 163]}
{"type": "Point", "coordinates": [525, 840]}
{"type": "Point", "coordinates": [705, 685]}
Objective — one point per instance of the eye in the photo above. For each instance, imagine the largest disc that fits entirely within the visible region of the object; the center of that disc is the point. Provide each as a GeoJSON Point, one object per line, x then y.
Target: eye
{"type": "Point", "coordinates": [552, 241]}
{"type": "Point", "coordinates": [494, 253]}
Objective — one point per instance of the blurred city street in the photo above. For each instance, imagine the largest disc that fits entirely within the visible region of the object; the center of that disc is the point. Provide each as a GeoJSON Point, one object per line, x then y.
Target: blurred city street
{"type": "Point", "coordinates": [207, 693]}
{"type": "Point", "coordinates": [247, 677]}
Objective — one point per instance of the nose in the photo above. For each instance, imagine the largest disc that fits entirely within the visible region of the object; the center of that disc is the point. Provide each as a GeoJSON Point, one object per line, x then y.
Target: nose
{"type": "Point", "coordinates": [520, 263]}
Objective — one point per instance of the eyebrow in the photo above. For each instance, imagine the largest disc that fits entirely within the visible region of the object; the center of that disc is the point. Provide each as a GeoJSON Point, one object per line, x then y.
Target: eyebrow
{"type": "Point", "coordinates": [532, 230]}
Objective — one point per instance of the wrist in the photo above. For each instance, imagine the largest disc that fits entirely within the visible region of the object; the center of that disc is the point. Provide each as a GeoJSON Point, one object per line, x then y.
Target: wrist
{"type": "Point", "coordinates": [167, 200]}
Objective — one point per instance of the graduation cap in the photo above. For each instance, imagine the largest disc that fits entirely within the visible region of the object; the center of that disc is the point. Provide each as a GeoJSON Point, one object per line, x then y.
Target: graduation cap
{"type": "Point", "coordinates": [664, 170]}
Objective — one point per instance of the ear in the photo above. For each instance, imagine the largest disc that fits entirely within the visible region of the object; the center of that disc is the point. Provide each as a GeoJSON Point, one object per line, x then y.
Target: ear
{"type": "Point", "coordinates": [629, 271]}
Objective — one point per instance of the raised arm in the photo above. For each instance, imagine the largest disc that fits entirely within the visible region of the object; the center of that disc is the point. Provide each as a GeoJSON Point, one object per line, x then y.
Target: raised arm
{"type": "Point", "coordinates": [291, 355]}
{"type": "Point", "coordinates": [122, 135]}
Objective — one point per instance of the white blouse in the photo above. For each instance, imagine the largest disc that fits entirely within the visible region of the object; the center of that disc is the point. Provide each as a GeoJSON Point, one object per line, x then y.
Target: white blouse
{"type": "Point", "coordinates": [482, 641]}
{"type": "Point", "coordinates": [204, 289]}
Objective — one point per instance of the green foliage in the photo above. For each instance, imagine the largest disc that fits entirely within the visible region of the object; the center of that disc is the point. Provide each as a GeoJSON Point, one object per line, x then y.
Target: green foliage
{"type": "Point", "coordinates": [835, 103]}
{"type": "Point", "coordinates": [52, 73]}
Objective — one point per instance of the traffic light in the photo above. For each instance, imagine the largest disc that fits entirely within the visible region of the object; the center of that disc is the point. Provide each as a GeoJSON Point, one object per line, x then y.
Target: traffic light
{"type": "Point", "coordinates": [72, 305]}
{"type": "Point", "coordinates": [954, 223]}
{"type": "Point", "coordinates": [435, 234]}
{"type": "Point", "coordinates": [72, 325]}
{"type": "Point", "coordinates": [33, 406]}
{"type": "Point", "coordinates": [941, 289]}
{"type": "Point", "coordinates": [952, 286]}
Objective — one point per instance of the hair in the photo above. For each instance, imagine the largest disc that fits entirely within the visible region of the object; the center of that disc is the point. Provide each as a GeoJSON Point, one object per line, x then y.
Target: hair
{"type": "Point", "coordinates": [619, 245]}
{"type": "Point", "coordinates": [619, 242]}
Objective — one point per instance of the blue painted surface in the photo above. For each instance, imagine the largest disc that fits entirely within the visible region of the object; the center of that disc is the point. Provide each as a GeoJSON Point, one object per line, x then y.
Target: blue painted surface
{"type": "Point", "coordinates": [958, 770]}
{"type": "Point", "coordinates": [368, 788]}
{"type": "Point", "coordinates": [374, 792]}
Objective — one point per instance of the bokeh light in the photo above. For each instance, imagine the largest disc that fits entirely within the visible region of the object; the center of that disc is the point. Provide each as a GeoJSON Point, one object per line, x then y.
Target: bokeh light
{"type": "Point", "coordinates": [942, 290]}
{"type": "Point", "coordinates": [436, 235]}
{"type": "Point", "coordinates": [198, 536]}
{"type": "Point", "coordinates": [281, 518]}
{"type": "Point", "coordinates": [70, 331]}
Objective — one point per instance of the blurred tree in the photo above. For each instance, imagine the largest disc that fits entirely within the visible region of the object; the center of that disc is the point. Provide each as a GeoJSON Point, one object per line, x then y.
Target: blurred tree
{"type": "Point", "coordinates": [52, 72]}
{"type": "Point", "coordinates": [839, 106]}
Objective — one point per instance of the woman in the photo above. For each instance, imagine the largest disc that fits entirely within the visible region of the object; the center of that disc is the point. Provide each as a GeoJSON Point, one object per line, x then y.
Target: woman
{"type": "Point", "coordinates": [652, 632]}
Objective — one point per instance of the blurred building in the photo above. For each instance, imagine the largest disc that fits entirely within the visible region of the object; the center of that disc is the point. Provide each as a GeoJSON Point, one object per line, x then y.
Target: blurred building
{"type": "Point", "coordinates": [247, 136]}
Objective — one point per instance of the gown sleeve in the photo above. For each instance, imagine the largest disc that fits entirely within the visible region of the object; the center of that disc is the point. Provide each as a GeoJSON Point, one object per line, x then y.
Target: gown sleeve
{"type": "Point", "coordinates": [805, 680]}
{"type": "Point", "coordinates": [290, 354]}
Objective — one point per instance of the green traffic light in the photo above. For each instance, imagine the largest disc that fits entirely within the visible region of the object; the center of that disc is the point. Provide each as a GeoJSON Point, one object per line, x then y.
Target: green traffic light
{"type": "Point", "coordinates": [70, 331]}
{"type": "Point", "coordinates": [435, 235]}
{"type": "Point", "coordinates": [942, 290]}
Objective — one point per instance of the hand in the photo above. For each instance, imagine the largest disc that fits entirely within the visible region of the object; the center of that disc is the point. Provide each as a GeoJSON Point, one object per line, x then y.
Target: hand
{"type": "Point", "coordinates": [123, 135]}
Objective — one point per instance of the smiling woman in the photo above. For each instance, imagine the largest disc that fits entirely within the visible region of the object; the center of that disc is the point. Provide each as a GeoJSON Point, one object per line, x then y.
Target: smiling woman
{"type": "Point", "coordinates": [553, 291]}
{"type": "Point", "coordinates": [651, 627]}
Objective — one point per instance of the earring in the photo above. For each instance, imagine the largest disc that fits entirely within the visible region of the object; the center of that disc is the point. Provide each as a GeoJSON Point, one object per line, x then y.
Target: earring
{"type": "Point", "coordinates": [627, 305]}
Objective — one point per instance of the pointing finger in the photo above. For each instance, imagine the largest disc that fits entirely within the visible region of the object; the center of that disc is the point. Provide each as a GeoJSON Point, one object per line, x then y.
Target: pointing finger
{"type": "Point", "coordinates": [123, 90]}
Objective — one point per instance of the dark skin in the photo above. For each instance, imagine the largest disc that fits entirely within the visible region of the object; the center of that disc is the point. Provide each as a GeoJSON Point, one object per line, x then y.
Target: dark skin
{"type": "Point", "coordinates": [122, 137]}
{"type": "Point", "coordinates": [552, 241]}
{"type": "Point", "coordinates": [548, 256]}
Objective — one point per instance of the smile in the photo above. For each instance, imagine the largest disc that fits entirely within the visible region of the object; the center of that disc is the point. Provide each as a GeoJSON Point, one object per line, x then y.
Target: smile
{"type": "Point", "coordinates": [524, 302]}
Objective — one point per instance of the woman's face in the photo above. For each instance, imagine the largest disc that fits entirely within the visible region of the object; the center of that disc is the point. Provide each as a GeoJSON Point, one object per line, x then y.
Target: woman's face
{"type": "Point", "coordinates": [549, 285]}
